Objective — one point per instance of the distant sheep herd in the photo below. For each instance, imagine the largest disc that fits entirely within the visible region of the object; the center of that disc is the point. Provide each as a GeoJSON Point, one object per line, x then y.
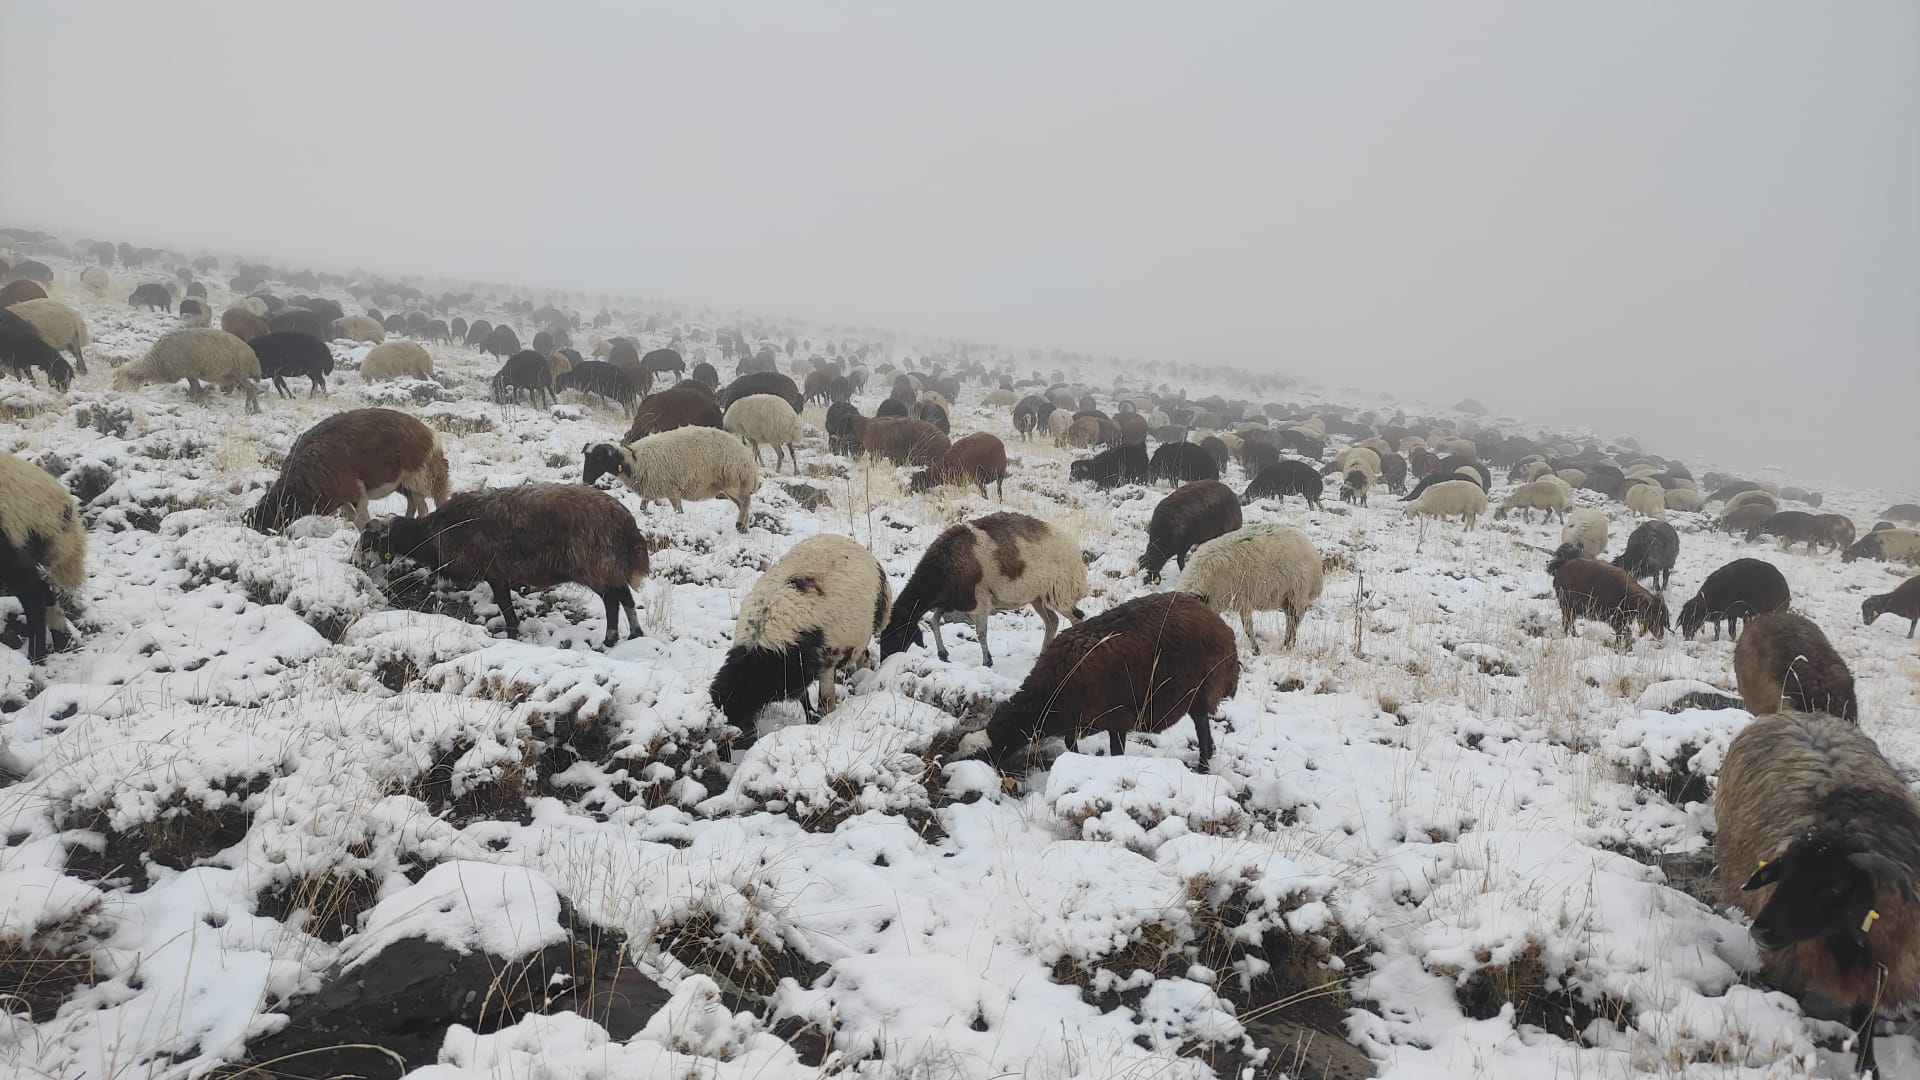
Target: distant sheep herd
{"type": "Point", "coordinates": [818, 609]}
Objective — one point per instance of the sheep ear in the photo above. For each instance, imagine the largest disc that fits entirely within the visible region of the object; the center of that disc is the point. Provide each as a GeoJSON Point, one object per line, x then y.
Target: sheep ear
{"type": "Point", "coordinates": [1885, 872]}
{"type": "Point", "coordinates": [1767, 874]}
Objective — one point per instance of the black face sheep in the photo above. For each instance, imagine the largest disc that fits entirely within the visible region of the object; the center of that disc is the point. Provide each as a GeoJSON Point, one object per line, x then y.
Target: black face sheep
{"type": "Point", "coordinates": [1817, 839]}
{"type": "Point", "coordinates": [1903, 602]}
{"type": "Point", "coordinates": [288, 353]}
{"type": "Point", "coordinates": [22, 350]}
{"type": "Point", "coordinates": [1784, 661]}
{"type": "Point", "coordinates": [1589, 588]}
{"type": "Point", "coordinates": [196, 354]}
{"type": "Point", "coordinates": [1181, 463]}
{"type": "Point", "coordinates": [979, 458]}
{"type": "Point", "coordinates": [1887, 545]}
{"type": "Point", "coordinates": [768, 419]}
{"type": "Point", "coordinates": [59, 326]}
{"type": "Point", "coordinates": [1112, 467]}
{"type": "Point", "coordinates": [1737, 591]}
{"type": "Point", "coordinates": [43, 550]}
{"type": "Point", "coordinates": [534, 536]}
{"type": "Point", "coordinates": [151, 296]}
{"type": "Point", "coordinates": [1194, 514]}
{"type": "Point", "coordinates": [349, 459]}
{"type": "Point", "coordinates": [1029, 413]}
{"type": "Point", "coordinates": [525, 370]}
{"type": "Point", "coordinates": [1354, 487]}
{"type": "Point", "coordinates": [1651, 552]}
{"type": "Point", "coordinates": [1143, 665]}
{"type": "Point", "coordinates": [999, 562]}
{"type": "Point", "coordinates": [1286, 478]}
{"type": "Point", "coordinates": [810, 614]}
{"type": "Point", "coordinates": [685, 463]}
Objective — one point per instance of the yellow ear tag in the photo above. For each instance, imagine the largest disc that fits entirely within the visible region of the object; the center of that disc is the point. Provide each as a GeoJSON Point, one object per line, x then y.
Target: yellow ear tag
{"type": "Point", "coordinates": [1007, 783]}
{"type": "Point", "coordinates": [1866, 924]}
{"type": "Point", "coordinates": [1762, 866]}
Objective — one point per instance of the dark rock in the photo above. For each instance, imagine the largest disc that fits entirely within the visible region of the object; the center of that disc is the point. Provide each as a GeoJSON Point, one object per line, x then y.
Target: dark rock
{"type": "Point", "coordinates": [1705, 700]}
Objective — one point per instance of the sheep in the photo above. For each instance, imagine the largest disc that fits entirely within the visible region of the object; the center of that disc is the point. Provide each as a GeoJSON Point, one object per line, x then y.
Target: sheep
{"type": "Point", "coordinates": [59, 326]}
{"type": "Point", "coordinates": [1548, 495]}
{"type": "Point", "coordinates": [809, 615]}
{"type": "Point", "coordinates": [687, 404]}
{"type": "Point", "coordinates": [1587, 587]}
{"type": "Point", "coordinates": [243, 324]}
{"type": "Point", "coordinates": [1143, 664]}
{"type": "Point", "coordinates": [1181, 463]}
{"type": "Point", "coordinates": [1753, 497]}
{"type": "Point", "coordinates": [1685, 499]}
{"type": "Point", "coordinates": [1783, 661]}
{"type": "Point", "coordinates": [285, 353]}
{"type": "Point", "coordinates": [1346, 460]}
{"type": "Point", "coordinates": [1194, 514]}
{"type": "Point", "coordinates": [500, 344]}
{"type": "Point", "coordinates": [766, 418]}
{"type": "Point", "coordinates": [685, 463]}
{"type": "Point", "coordinates": [1907, 512]}
{"type": "Point", "coordinates": [846, 428]}
{"type": "Point", "coordinates": [524, 370]}
{"type": "Point", "coordinates": [1112, 467]}
{"type": "Point", "coordinates": [94, 280]}
{"type": "Point", "coordinates": [477, 333]}
{"type": "Point", "coordinates": [43, 550]}
{"type": "Point", "coordinates": [596, 377]}
{"type": "Point", "coordinates": [21, 290]}
{"type": "Point", "coordinates": [933, 413]}
{"type": "Point", "coordinates": [957, 580]}
{"type": "Point", "coordinates": [1887, 545]}
{"type": "Point", "coordinates": [194, 313]}
{"type": "Point", "coordinates": [533, 536]}
{"type": "Point", "coordinates": [359, 328]}
{"type": "Point", "coordinates": [397, 360]}
{"type": "Point", "coordinates": [1739, 590]}
{"type": "Point", "coordinates": [761, 382]}
{"type": "Point", "coordinates": [665, 362]}
{"type": "Point", "coordinates": [1903, 601]}
{"type": "Point", "coordinates": [1288, 477]}
{"type": "Point", "coordinates": [1058, 422]}
{"type": "Point", "coordinates": [22, 350]}
{"type": "Point", "coordinates": [1575, 478]}
{"type": "Point", "coordinates": [1817, 839]}
{"type": "Point", "coordinates": [301, 320]}
{"type": "Point", "coordinates": [350, 459]}
{"type": "Point", "coordinates": [1257, 568]}
{"type": "Point", "coordinates": [1586, 530]}
{"type": "Point", "coordinates": [978, 458]}
{"type": "Point", "coordinates": [903, 441]}
{"type": "Point", "coordinates": [1393, 469]}
{"type": "Point", "coordinates": [1089, 431]}
{"type": "Point", "coordinates": [1647, 500]}
{"type": "Point", "coordinates": [1355, 485]}
{"type": "Point", "coordinates": [151, 296]}
{"type": "Point", "coordinates": [1651, 552]}
{"type": "Point", "coordinates": [1448, 498]}
{"type": "Point", "coordinates": [194, 354]}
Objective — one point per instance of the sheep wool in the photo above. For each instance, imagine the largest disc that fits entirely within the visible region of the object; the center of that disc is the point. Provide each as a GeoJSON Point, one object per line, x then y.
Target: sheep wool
{"type": "Point", "coordinates": [1451, 498]}
{"type": "Point", "coordinates": [197, 354]}
{"type": "Point", "coordinates": [994, 563]}
{"type": "Point", "coordinates": [1685, 499]}
{"type": "Point", "coordinates": [59, 326]}
{"type": "Point", "coordinates": [1587, 530]}
{"type": "Point", "coordinates": [397, 360]}
{"type": "Point", "coordinates": [359, 328]}
{"type": "Point", "coordinates": [685, 463]}
{"type": "Point", "coordinates": [769, 419]}
{"type": "Point", "coordinates": [44, 561]}
{"type": "Point", "coordinates": [1551, 496]}
{"type": "Point", "coordinates": [1257, 568]}
{"type": "Point", "coordinates": [1647, 500]}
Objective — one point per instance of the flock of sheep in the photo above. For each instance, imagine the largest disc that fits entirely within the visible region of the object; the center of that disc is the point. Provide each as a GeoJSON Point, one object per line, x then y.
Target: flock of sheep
{"type": "Point", "coordinates": [1819, 839]}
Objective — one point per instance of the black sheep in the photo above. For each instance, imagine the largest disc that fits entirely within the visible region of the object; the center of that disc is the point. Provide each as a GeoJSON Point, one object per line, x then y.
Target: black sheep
{"type": "Point", "coordinates": [151, 296]}
{"type": "Point", "coordinates": [1289, 477]}
{"type": "Point", "coordinates": [525, 370]}
{"type": "Point", "coordinates": [662, 361]}
{"type": "Point", "coordinates": [1182, 463]}
{"type": "Point", "coordinates": [1123, 464]}
{"type": "Point", "coordinates": [1651, 552]}
{"type": "Point", "coordinates": [288, 352]}
{"type": "Point", "coordinates": [1194, 514]}
{"type": "Point", "coordinates": [1257, 455]}
{"type": "Point", "coordinates": [1737, 591]}
{"type": "Point", "coordinates": [598, 377]}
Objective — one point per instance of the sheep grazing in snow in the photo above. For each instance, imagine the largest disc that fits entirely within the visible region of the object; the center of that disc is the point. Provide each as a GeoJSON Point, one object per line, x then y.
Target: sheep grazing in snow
{"type": "Point", "coordinates": [666, 362]}
{"type": "Point", "coordinates": [1144, 664]}
{"type": "Point", "coordinates": [978, 458]}
{"type": "Point", "coordinates": [1817, 839]}
{"type": "Point", "coordinates": [350, 459]}
{"type": "Point", "coordinates": [1737, 591]}
{"type": "Point", "coordinates": [1548, 495]}
{"type": "Point", "coordinates": [1091, 431]}
{"type": "Point", "coordinates": [1586, 530]}
{"type": "Point", "coordinates": [1685, 499]}
{"type": "Point", "coordinates": [359, 328]}
{"type": "Point", "coordinates": [1257, 568]}
{"type": "Point", "coordinates": [243, 324]}
{"type": "Point", "coordinates": [905, 442]}
{"type": "Point", "coordinates": [1194, 514]}
{"type": "Point", "coordinates": [397, 360]}
{"type": "Point", "coordinates": [809, 615]}
{"type": "Point", "coordinates": [151, 296]}
{"type": "Point", "coordinates": [596, 377]}
{"type": "Point", "coordinates": [22, 350]}
{"type": "Point", "coordinates": [846, 428]}
{"type": "Point", "coordinates": [94, 280]}
{"type": "Point", "coordinates": [1887, 545]}
{"type": "Point", "coordinates": [59, 326]}
{"type": "Point", "coordinates": [1647, 500]}
{"type": "Point", "coordinates": [687, 404]}
{"type": "Point", "coordinates": [21, 290]}
{"type": "Point", "coordinates": [195, 313]}
{"type": "Point", "coordinates": [526, 371]}
{"type": "Point", "coordinates": [1354, 487]}
{"type": "Point", "coordinates": [1029, 413]}
{"type": "Point", "coordinates": [1181, 463]}
{"type": "Point", "coordinates": [1907, 512]}
{"type": "Point", "coordinates": [196, 354]}
{"type": "Point", "coordinates": [1651, 552]}
{"type": "Point", "coordinates": [685, 463]}
{"type": "Point", "coordinates": [999, 562]}
{"type": "Point", "coordinates": [761, 382]}
{"type": "Point", "coordinates": [1450, 498]}
{"type": "Point", "coordinates": [1589, 588]}
{"type": "Point", "coordinates": [1903, 601]}
{"type": "Point", "coordinates": [1286, 478]}
{"type": "Point", "coordinates": [43, 550]}
{"type": "Point", "coordinates": [1116, 465]}
{"type": "Point", "coordinates": [768, 419]}
{"type": "Point", "coordinates": [533, 536]}
{"type": "Point", "coordinates": [1783, 661]}
{"type": "Point", "coordinates": [288, 353]}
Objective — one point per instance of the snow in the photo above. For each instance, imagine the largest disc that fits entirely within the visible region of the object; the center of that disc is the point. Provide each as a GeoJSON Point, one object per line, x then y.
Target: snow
{"type": "Point", "coordinates": [1433, 792]}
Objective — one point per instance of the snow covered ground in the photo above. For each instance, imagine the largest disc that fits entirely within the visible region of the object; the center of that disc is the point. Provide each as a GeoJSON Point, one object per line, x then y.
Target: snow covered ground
{"type": "Point", "coordinates": [1436, 829]}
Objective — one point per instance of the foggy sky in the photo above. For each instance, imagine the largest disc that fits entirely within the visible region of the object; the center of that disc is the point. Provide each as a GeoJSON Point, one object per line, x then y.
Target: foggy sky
{"type": "Point", "coordinates": [1698, 222]}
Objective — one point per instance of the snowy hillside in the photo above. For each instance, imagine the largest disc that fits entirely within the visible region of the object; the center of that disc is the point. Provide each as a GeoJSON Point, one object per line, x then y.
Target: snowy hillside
{"type": "Point", "coordinates": [1437, 839]}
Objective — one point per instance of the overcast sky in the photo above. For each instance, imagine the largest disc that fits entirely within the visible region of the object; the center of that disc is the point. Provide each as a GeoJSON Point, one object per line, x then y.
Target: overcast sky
{"type": "Point", "coordinates": [1699, 222]}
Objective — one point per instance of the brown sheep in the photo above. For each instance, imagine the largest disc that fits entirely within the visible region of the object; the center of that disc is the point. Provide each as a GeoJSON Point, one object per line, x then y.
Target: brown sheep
{"type": "Point", "coordinates": [1600, 590]}
{"type": "Point", "coordinates": [1903, 601]}
{"type": "Point", "coordinates": [1784, 661]}
{"type": "Point", "coordinates": [1091, 431]}
{"type": "Point", "coordinates": [905, 442]}
{"type": "Point", "coordinates": [21, 290]}
{"type": "Point", "coordinates": [1747, 516]}
{"type": "Point", "coordinates": [972, 459]}
{"type": "Point", "coordinates": [1194, 514]}
{"type": "Point", "coordinates": [243, 324]}
{"type": "Point", "coordinates": [1133, 429]}
{"type": "Point", "coordinates": [678, 406]}
{"type": "Point", "coordinates": [350, 459]}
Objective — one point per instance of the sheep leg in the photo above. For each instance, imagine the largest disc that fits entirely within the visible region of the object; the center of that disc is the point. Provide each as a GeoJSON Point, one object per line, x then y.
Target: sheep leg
{"type": "Point", "coordinates": [612, 600]}
{"type": "Point", "coordinates": [980, 628]}
{"type": "Point", "coordinates": [939, 644]}
{"type": "Point", "coordinates": [744, 501]}
{"type": "Point", "coordinates": [503, 598]}
{"type": "Point", "coordinates": [79, 362]}
{"type": "Point", "coordinates": [253, 396]}
{"type": "Point", "coordinates": [757, 459]}
{"type": "Point", "coordinates": [35, 606]}
{"type": "Point", "coordinates": [793, 458]}
{"type": "Point", "coordinates": [1246, 620]}
{"type": "Point", "coordinates": [1048, 620]}
{"type": "Point", "coordinates": [1293, 626]}
{"type": "Point", "coordinates": [633, 616]}
{"type": "Point", "coordinates": [1203, 733]}
{"type": "Point", "coordinates": [193, 387]}
{"type": "Point", "coordinates": [826, 689]}
{"type": "Point", "coordinates": [675, 503]}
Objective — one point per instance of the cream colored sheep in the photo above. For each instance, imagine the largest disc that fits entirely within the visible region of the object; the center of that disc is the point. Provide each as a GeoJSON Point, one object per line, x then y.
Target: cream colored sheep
{"type": "Point", "coordinates": [1362, 457]}
{"type": "Point", "coordinates": [1312, 427]}
{"type": "Point", "coordinates": [1586, 529]}
{"type": "Point", "coordinates": [685, 463]}
{"type": "Point", "coordinates": [1451, 498]}
{"type": "Point", "coordinates": [253, 304]}
{"type": "Point", "coordinates": [1463, 448]}
{"type": "Point", "coordinates": [1575, 478]}
{"type": "Point", "coordinates": [360, 328]}
{"type": "Point", "coordinates": [1538, 469]}
{"type": "Point", "coordinates": [47, 543]}
{"type": "Point", "coordinates": [1000, 397]}
{"type": "Point", "coordinates": [766, 418]}
{"type": "Point", "coordinates": [96, 281]}
{"type": "Point", "coordinates": [1258, 568]}
{"type": "Point", "coordinates": [1058, 421]}
{"type": "Point", "coordinates": [58, 325]}
{"type": "Point", "coordinates": [1746, 497]}
{"type": "Point", "coordinates": [1647, 500]}
{"type": "Point", "coordinates": [1551, 496]}
{"type": "Point", "coordinates": [1685, 499]}
{"type": "Point", "coordinates": [197, 354]}
{"type": "Point", "coordinates": [397, 360]}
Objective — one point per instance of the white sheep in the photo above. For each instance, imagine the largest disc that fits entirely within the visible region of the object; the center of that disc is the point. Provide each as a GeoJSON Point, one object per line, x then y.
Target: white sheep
{"type": "Point", "coordinates": [1587, 530]}
{"type": "Point", "coordinates": [1538, 469]}
{"type": "Point", "coordinates": [58, 325]}
{"type": "Point", "coordinates": [1312, 427]}
{"type": "Point", "coordinates": [1450, 498]}
{"type": "Point", "coordinates": [96, 280]}
{"type": "Point", "coordinates": [359, 328]}
{"type": "Point", "coordinates": [1362, 457]}
{"type": "Point", "coordinates": [1058, 421]}
{"type": "Point", "coordinates": [1647, 500]}
{"type": "Point", "coordinates": [1735, 503]}
{"type": "Point", "coordinates": [1685, 499]}
{"type": "Point", "coordinates": [766, 418]}
{"type": "Point", "coordinates": [1463, 448]}
{"type": "Point", "coordinates": [1000, 397]}
{"type": "Point", "coordinates": [1575, 478]}
{"type": "Point", "coordinates": [196, 354]}
{"type": "Point", "coordinates": [685, 463]}
{"type": "Point", "coordinates": [1257, 568]}
{"type": "Point", "coordinates": [46, 556]}
{"type": "Point", "coordinates": [1549, 495]}
{"type": "Point", "coordinates": [397, 360]}
{"type": "Point", "coordinates": [253, 304]}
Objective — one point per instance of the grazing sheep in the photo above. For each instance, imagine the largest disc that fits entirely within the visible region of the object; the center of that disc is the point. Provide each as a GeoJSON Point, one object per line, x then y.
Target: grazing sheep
{"type": "Point", "coordinates": [477, 333]}
{"type": "Point", "coordinates": [978, 458]}
{"type": "Point", "coordinates": [300, 320]}
{"type": "Point", "coordinates": [1355, 485]}
{"type": "Point", "coordinates": [761, 382]}
{"type": "Point", "coordinates": [1029, 413]}
{"type": "Point", "coordinates": [1817, 839]}
{"type": "Point", "coordinates": [1887, 545]}
{"type": "Point", "coordinates": [1548, 495]}
{"type": "Point", "coordinates": [1449, 498]}
{"type": "Point", "coordinates": [59, 326]}
{"type": "Point", "coordinates": [1744, 518]}
{"type": "Point", "coordinates": [1112, 467]}
{"type": "Point", "coordinates": [903, 441]}
{"type": "Point", "coordinates": [1586, 530]}
{"type": "Point", "coordinates": [704, 374]}
{"type": "Point", "coordinates": [500, 344]}
{"type": "Point", "coordinates": [1217, 450]}
{"type": "Point", "coordinates": [1257, 568]}
{"type": "Point", "coordinates": [20, 291]}
{"type": "Point", "coordinates": [596, 377]}
{"type": "Point", "coordinates": [533, 536]}
{"type": "Point", "coordinates": [1685, 499]}
{"type": "Point", "coordinates": [151, 296]}
{"type": "Point", "coordinates": [1289, 477]}
{"type": "Point", "coordinates": [22, 350]}
{"type": "Point", "coordinates": [43, 550]}
{"type": "Point", "coordinates": [685, 463]}
{"type": "Point", "coordinates": [933, 413]}
{"type": "Point", "coordinates": [289, 353]}
{"type": "Point", "coordinates": [1647, 500]}
{"type": "Point", "coordinates": [1000, 398]}
{"type": "Point", "coordinates": [1739, 590]}
{"type": "Point", "coordinates": [686, 404]}
{"type": "Point", "coordinates": [359, 328]}
{"type": "Point", "coordinates": [525, 370]}
{"type": "Point", "coordinates": [1589, 588]}
{"type": "Point", "coordinates": [1143, 664]}
{"type": "Point", "coordinates": [809, 615]}
{"type": "Point", "coordinates": [1783, 661]}
{"type": "Point", "coordinates": [1751, 497]}
{"type": "Point", "coordinates": [1181, 463]}
{"type": "Point", "coordinates": [243, 324]}
{"type": "Point", "coordinates": [1393, 469]}
{"type": "Point", "coordinates": [846, 428]}
{"type": "Point", "coordinates": [33, 270]}
{"type": "Point", "coordinates": [350, 459]}
{"type": "Point", "coordinates": [397, 360]}
{"type": "Point", "coordinates": [93, 279]}
{"type": "Point", "coordinates": [666, 362]}
{"type": "Point", "coordinates": [194, 313]}
{"type": "Point", "coordinates": [1194, 514]}
{"type": "Point", "coordinates": [196, 354]}
{"type": "Point", "coordinates": [999, 562]}
{"type": "Point", "coordinates": [1058, 422]}
{"type": "Point", "coordinates": [1651, 552]}
{"type": "Point", "coordinates": [766, 418]}
{"type": "Point", "coordinates": [1903, 601]}
{"type": "Point", "coordinates": [1907, 512]}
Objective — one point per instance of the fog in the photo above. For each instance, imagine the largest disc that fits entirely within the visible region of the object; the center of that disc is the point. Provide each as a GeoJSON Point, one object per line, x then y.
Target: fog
{"type": "Point", "coordinates": [1698, 223]}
